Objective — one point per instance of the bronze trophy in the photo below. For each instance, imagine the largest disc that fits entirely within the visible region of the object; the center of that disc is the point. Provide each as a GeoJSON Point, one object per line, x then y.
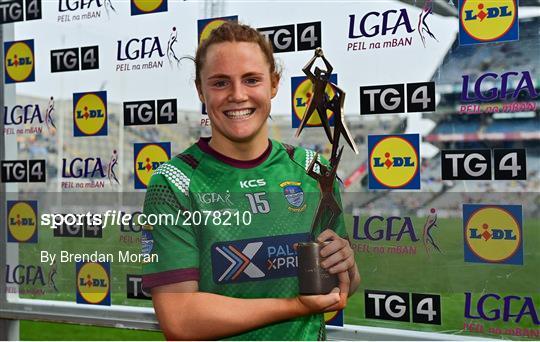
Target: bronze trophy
{"type": "Point", "coordinates": [312, 278]}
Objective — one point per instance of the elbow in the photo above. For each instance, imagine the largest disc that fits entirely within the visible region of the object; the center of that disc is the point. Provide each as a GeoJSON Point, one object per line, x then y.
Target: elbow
{"type": "Point", "coordinates": [177, 330]}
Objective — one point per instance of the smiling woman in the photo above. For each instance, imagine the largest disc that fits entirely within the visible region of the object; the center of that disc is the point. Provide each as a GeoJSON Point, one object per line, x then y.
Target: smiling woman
{"type": "Point", "coordinates": [220, 274]}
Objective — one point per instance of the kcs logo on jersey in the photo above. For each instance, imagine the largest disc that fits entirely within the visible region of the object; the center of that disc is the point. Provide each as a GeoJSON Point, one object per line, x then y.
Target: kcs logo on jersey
{"type": "Point", "coordinates": [147, 158]}
{"type": "Point", "coordinates": [394, 161]}
{"type": "Point", "coordinates": [90, 114]}
{"type": "Point", "coordinates": [493, 233]}
{"type": "Point", "coordinates": [301, 93]}
{"type": "Point", "coordinates": [22, 221]}
{"type": "Point", "coordinates": [93, 283]}
{"type": "Point", "coordinates": [206, 26]}
{"type": "Point", "coordinates": [148, 6]}
{"type": "Point", "coordinates": [482, 21]}
{"type": "Point", "coordinates": [19, 61]}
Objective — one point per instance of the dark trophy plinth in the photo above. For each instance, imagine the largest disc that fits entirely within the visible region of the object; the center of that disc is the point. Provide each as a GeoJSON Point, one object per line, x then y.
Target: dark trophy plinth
{"type": "Point", "coordinates": [312, 278]}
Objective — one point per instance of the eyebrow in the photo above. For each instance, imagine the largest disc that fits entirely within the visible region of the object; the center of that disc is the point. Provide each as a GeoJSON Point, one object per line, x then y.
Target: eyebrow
{"type": "Point", "coordinates": [249, 74]}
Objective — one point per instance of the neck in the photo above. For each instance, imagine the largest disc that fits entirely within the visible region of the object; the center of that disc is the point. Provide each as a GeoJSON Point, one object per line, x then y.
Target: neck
{"type": "Point", "coordinates": [247, 150]}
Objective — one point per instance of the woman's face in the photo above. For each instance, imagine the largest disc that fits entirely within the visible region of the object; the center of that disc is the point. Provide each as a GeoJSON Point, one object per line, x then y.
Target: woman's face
{"type": "Point", "coordinates": [237, 88]}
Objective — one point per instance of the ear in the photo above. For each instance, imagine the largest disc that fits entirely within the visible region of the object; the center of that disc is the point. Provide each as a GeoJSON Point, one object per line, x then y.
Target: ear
{"type": "Point", "coordinates": [274, 84]}
{"type": "Point", "coordinates": [199, 92]}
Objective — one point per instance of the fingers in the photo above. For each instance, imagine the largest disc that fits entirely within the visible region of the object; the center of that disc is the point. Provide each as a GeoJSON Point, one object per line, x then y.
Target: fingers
{"type": "Point", "coordinates": [328, 234]}
{"type": "Point", "coordinates": [340, 261]}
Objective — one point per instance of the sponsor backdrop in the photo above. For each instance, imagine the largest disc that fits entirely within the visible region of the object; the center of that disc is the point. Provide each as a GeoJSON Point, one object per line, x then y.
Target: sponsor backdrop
{"type": "Point", "coordinates": [441, 203]}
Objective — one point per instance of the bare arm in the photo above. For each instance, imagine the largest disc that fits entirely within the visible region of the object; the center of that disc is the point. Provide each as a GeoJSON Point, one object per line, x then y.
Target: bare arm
{"type": "Point", "coordinates": [186, 314]}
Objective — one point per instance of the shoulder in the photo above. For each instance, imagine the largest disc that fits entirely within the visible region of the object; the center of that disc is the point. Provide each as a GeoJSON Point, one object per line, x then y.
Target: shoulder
{"type": "Point", "coordinates": [178, 172]}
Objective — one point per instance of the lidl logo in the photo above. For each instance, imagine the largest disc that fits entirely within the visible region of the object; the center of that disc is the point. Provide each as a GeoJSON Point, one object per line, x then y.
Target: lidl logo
{"type": "Point", "coordinates": [394, 161]}
{"type": "Point", "coordinates": [147, 158]}
{"type": "Point", "coordinates": [493, 233]}
{"type": "Point", "coordinates": [90, 113]}
{"type": "Point", "coordinates": [19, 61]}
{"type": "Point", "coordinates": [482, 21]}
{"type": "Point", "coordinates": [148, 6]}
{"type": "Point", "coordinates": [22, 221]}
{"type": "Point", "coordinates": [334, 318]}
{"type": "Point", "coordinates": [93, 283]}
{"type": "Point", "coordinates": [206, 26]}
{"type": "Point", "coordinates": [301, 92]}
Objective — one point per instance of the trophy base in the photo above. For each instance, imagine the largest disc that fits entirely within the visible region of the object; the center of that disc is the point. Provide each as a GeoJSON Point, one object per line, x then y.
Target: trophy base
{"type": "Point", "coordinates": [312, 278]}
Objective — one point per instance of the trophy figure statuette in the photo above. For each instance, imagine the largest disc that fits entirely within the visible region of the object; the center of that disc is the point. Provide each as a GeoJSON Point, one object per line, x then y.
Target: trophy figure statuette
{"type": "Point", "coordinates": [312, 278]}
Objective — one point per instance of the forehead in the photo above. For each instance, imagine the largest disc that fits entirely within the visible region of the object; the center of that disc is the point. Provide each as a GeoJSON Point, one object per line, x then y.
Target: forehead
{"type": "Point", "coordinates": [231, 58]}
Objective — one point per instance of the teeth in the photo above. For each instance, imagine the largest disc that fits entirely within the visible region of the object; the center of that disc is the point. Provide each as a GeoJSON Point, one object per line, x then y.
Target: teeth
{"type": "Point", "coordinates": [239, 114]}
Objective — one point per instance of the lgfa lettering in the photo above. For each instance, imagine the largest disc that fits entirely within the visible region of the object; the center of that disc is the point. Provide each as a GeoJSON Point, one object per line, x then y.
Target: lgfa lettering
{"type": "Point", "coordinates": [380, 233]}
{"type": "Point", "coordinates": [87, 168]}
{"type": "Point", "coordinates": [73, 5]}
{"type": "Point", "coordinates": [382, 28]}
{"type": "Point", "coordinates": [525, 304]}
{"type": "Point", "coordinates": [22, 115]}
{"type": "Point", "coordinates": [525, 83]}
{"type": "Point", "coordinates": [136, 48]}
{"type": "Point", "coordinates": [27, 275]}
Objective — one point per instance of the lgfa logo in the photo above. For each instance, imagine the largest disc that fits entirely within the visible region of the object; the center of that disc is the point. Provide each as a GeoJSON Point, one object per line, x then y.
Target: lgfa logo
{"type": "Point", "coordinates": [493, 234]}
{"type": "Point", "coordinates": [90, 114]}
{"type": "Point", "coordinates": [93, 283]}
{"type": "Point", "coordinates": [19, 61]}
{"type": "Point", "coordinates": [482, 21]}
{"type": "Point", "coordinates": [148, 6]}
{"type": "Point", "coordinates": [147, 158]}
{"type": "Point", "coordinates": [301, 94]}
{"type": "Point", "coordinates": [22, 221]}
{"type": "Point", "coordinates": [394, 161]}
{"type": "Point", "coordinates": [206, 26]}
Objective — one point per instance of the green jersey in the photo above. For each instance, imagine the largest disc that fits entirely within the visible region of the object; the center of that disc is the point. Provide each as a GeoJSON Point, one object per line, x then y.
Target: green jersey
{"type": "Point", "coordinates": [235, 224]}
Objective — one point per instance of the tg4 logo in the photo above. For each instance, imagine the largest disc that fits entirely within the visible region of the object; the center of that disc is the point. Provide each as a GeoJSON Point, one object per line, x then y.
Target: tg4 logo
{"type": "Point", "coordinates": [394, 306]}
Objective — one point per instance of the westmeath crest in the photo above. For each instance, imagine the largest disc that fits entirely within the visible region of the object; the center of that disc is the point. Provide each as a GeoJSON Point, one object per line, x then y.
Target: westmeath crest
{"type": "Point", "coordinates": [294, 195]}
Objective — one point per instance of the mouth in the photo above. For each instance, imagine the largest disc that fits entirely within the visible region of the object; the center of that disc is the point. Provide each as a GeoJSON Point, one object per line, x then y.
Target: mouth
{"type": "Point", "coordinates": [239, 114]}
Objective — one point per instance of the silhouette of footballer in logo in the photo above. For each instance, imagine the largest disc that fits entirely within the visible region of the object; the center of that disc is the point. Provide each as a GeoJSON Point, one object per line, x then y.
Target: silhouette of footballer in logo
{"type": "Point", "coordinates": [110, 168]}
{"type": "Point", "coordinates": [423, 27]}
{"type": "Point", "coordinates": [49, 121]}
{"type": "Point", "coordinates": [171, 54]}
{"type": "Point", "coordinates": [431, 222]}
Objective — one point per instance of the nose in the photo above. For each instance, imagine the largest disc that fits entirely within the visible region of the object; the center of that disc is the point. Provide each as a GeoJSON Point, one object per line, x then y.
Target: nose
{"type": "Point", "coordinates": [238, 92]}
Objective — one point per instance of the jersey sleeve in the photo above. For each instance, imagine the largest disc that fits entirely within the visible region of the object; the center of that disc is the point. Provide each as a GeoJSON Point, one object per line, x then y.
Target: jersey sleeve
{"type": "Point", "coordinates": [172, 245]}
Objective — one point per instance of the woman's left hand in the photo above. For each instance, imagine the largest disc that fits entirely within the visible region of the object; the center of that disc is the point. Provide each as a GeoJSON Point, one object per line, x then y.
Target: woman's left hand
{"type": "Point", "coordinates": [338, 255]}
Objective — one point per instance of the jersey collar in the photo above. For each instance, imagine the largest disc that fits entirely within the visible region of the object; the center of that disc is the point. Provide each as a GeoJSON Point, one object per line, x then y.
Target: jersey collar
{"type": "Point", "coordinates": [242, 164]}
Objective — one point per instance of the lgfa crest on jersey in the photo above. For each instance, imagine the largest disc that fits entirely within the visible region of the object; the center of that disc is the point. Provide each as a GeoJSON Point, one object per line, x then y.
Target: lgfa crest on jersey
{"type": "Point", "coordinates": [295, 196]}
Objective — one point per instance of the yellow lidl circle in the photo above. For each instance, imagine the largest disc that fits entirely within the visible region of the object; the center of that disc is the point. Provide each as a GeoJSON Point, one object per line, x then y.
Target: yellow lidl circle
{"type": "Point", "coordinates": [22, 221]}
{"type": "Point", "coordinates": [147, 5]}
{"type": "Point", "coordinates": [209, 27]}
{"type": "Point", "coordinates": [90, 114]}
{"type": "Point", "coordinates": [301, 97]}
{"type": "Point", "coordinates": [147, 160]}
{"type": "Point", "coordinates": [19, 61]}
{"type": "Point", "coordinates": [93, 282]}
{"type": "Point", "coordinates": [488, 20]}
{"type": "Point", "coordinates": [493, 234]}
{"type": "Point", "coordinates": [328, 316]}
{"type": "Point", "coordinates": [393, 162]}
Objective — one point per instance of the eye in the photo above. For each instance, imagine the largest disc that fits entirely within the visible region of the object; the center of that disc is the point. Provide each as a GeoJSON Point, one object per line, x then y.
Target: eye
{"type": "Point", "coordinates": [219, 84]}
{"type": "Point", "coordinates": [252, 81]}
